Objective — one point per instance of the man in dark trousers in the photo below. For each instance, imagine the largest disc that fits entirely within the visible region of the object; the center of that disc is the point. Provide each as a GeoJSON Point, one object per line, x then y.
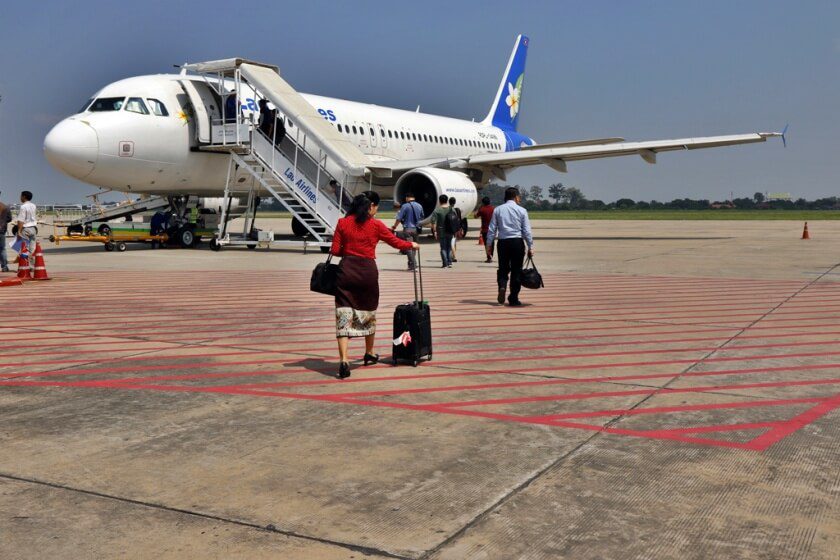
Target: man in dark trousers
{"type": "Point", "coordinates": [486, 214]}
{"type": "Point", "coordinates": [5, 218]}
{"type": "Point", "coordinates": [410, 216]}
{"type": "Point", "coordinates": [510, 224]}
{"type": "Point", "coordinates": [439, 228]}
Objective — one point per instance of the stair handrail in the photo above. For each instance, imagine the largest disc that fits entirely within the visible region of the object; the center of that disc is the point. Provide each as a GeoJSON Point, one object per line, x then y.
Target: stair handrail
{"type": "Point", "coordinates": [298, 151]}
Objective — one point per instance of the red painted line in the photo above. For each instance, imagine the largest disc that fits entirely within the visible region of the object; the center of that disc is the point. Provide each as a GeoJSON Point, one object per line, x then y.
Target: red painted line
{"type": "Point", "coordinates": [427, 364]}
{"type": "Point", "coordinates": [585, 334]}
{"type": "Point", "coordinates": [803, 419]}
{"type": "Point", "coordinates": [625, 364]}
{"type": "Point", "coordinates": [278, 306]}
{"type": "Point", "coordinates": [652, 390]}
{"type": "Point", "coordinates": [561, 424]}
{"type": "Point", "coordinates": [196, 365]}
{"type": "Point", "coordinates": [532, 348]}
{"type": "Point", "coordinates": [326, 329]}
{"type": "Point", "coordinates": [767, 439]}
{"type": "Point", "coordinates": [683, 408]}
{"type": "Point", "coordinates": [144, 358]}
{"type": "Point", "coordinates": [609, 311]}
{"type": "Point", "coordinates": [73, 350]}
{"type": "Point", "coordinates": [454, 374]}
{"type": "Point", "coordinates": [723, 428]}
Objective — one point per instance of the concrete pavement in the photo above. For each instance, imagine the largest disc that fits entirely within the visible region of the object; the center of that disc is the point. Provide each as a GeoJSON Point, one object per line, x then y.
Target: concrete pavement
{"type": "Point", "coordinates": [671, 393]}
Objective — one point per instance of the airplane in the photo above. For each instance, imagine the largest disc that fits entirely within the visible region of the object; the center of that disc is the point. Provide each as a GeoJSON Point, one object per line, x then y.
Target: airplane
{"type": "Point", "coordinates": [139, 135]}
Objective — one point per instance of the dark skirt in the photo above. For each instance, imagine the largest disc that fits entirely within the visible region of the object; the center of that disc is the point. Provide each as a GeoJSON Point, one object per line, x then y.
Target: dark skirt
{"type": "Point", "coordinates": [357, 297]}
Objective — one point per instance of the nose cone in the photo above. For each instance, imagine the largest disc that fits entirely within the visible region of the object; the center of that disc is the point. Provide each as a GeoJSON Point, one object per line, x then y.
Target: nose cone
{"type": "Point", "coordinates": [72, 147]}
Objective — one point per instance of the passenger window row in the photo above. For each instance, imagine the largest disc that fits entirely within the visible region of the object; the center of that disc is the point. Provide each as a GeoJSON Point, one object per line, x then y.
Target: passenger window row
{"type": "Point", "coordinates": [419, 137]}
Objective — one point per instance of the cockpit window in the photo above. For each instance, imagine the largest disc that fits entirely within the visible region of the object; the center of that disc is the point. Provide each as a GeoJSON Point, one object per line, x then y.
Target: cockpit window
{"type": "Point", "coordinates": [136, 105]}
{"type": "Point", "coordinates": [107, 104]}
{"type": "Point", "coordinates": [157, 107]}
{"type": "Point", "coordinates": [85, 106]}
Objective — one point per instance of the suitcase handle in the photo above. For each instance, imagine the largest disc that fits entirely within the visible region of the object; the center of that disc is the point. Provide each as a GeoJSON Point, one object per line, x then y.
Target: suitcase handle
{"type": "Point", "coordinates": [418, 269]}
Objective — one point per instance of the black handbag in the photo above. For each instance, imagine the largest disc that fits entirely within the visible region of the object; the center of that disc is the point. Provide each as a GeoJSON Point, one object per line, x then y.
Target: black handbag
{"type": "Point", "coordinates": [324, 278]}
{"type": "Point", "coordinates": [530, 277]}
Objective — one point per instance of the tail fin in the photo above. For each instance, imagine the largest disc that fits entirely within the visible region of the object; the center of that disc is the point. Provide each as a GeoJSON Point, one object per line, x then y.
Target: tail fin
{"type": "Point", "coordinates": [504, 113]}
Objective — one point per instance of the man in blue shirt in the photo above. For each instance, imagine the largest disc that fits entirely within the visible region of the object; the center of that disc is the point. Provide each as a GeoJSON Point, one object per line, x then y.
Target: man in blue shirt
{"type": "Point", "coordinates": [410, 216]}
{"type": "Point", "coordinates": [511, 226]}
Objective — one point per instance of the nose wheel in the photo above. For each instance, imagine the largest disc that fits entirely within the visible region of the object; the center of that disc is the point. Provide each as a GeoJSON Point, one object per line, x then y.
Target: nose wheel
{"type": "Point", "coordinates": [186, 236]}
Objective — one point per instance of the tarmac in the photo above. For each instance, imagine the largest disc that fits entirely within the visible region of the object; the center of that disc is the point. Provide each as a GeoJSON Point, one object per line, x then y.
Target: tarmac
{"type": "Point", "coordinates": [672, 392]}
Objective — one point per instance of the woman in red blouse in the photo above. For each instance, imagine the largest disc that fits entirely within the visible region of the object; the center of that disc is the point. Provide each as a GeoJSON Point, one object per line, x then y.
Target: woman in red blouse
{"type": "Point", "coordinates": [357, 294]}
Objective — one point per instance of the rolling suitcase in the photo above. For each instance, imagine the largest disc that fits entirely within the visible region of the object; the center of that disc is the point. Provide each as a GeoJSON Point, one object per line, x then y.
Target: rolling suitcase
{"type": "Point", "coordinates": [414, 318]}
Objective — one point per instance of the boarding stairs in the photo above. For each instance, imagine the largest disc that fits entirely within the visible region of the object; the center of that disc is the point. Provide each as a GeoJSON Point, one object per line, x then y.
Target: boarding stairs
{"type": "Point", "coordinates": [295, 171]}
{"type": "Point", "coordinates": [295, 179]}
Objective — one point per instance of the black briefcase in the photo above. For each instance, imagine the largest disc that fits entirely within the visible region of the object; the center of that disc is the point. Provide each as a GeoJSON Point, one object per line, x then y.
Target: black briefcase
{"type": "Point", "coordinates": [324, 278]}
{"type": "Point", "coordinates": [530, 277]}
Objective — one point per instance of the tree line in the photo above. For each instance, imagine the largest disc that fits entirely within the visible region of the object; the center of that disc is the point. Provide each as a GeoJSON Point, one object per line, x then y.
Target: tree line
{"type": "Point", "coordinates": [557, 196]}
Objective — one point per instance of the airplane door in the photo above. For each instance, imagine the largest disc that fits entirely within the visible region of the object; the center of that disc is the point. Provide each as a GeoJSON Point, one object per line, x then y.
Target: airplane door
{"type": "Point", "coordinates": [372, 131]}
{"type": "Point", "coordinates": [383, 137]}
{"type": "Point", "coordinates": [200, 110]}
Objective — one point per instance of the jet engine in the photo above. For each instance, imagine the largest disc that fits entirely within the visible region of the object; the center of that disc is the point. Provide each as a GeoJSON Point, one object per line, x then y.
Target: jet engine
{"type": "Point", "coordinates": [428, 183]}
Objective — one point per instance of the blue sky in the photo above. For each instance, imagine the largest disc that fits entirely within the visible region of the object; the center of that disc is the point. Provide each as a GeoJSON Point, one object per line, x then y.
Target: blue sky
{"type": "Point", "coordinates": [641, 69]}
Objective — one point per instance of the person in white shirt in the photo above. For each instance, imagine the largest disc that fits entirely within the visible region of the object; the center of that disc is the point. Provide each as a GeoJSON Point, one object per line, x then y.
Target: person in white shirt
{"type": "Point", "coordinates": [27, 221]}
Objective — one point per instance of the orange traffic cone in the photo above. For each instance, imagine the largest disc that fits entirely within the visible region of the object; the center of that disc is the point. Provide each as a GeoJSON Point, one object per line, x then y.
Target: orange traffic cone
{"type": "Point", "coordinates": [480, 239]}
{"type": "Point", "coordinates": [40, 265]}
{"type": "Point", "coordinates": [805, 234]}
{"type": "Point", "coordinates": [10, 282]}
{"type": "Point", "coordinates": [24, 272]}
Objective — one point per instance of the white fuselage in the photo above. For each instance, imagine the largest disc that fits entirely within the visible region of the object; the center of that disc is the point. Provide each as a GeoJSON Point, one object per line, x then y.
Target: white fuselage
{"type": "Point", "coordinates": [149, 153]}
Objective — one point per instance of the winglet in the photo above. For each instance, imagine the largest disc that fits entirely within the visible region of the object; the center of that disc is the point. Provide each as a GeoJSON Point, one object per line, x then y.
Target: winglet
{"type": "Point", "coordinates": [782, 135]}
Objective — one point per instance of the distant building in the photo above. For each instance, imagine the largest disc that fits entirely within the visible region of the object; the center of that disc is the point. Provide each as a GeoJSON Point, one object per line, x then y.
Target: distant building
{"type": "Point", "coordinates": [780, 196]}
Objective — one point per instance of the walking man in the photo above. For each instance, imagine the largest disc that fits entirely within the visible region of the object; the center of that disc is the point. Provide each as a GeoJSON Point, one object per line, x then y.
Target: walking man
{"type": "Point", "coordinates": [486, 214]}
{"type": "Point", "coordinates": [410, 216]}
{"type": "Point", "coordinates": [27, 221]}
{"type": "Point", "coordinates": [439, 228]}
{"type": "Point", "coordinates": [457, 212]}
{"type": "Point", "coordinates": [5, 218]}
{"type": "Point", "coordinates": [510, 224]}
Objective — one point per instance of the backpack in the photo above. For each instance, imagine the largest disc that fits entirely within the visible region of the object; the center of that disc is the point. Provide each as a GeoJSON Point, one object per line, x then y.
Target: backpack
{"type": "Point", "coordinates": [451, 223]}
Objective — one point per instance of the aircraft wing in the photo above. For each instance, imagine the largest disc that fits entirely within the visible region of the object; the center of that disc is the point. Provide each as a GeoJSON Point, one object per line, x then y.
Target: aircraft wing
{"type": "Point", "coordinates": [556, 156]}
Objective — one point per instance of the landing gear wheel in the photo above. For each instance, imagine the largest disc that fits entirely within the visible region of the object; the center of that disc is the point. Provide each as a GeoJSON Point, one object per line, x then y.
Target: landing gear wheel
{"type": "Point", "coordinates": [186, 237]}
{"type": "Point", "coordinates": [121, 247]}
{"type": "Point", "coordinates": [298, 228]}
{"type": "Point", "coordinates": [215, 245]}
{"type": "Point", "coordinates": [109, 246]}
